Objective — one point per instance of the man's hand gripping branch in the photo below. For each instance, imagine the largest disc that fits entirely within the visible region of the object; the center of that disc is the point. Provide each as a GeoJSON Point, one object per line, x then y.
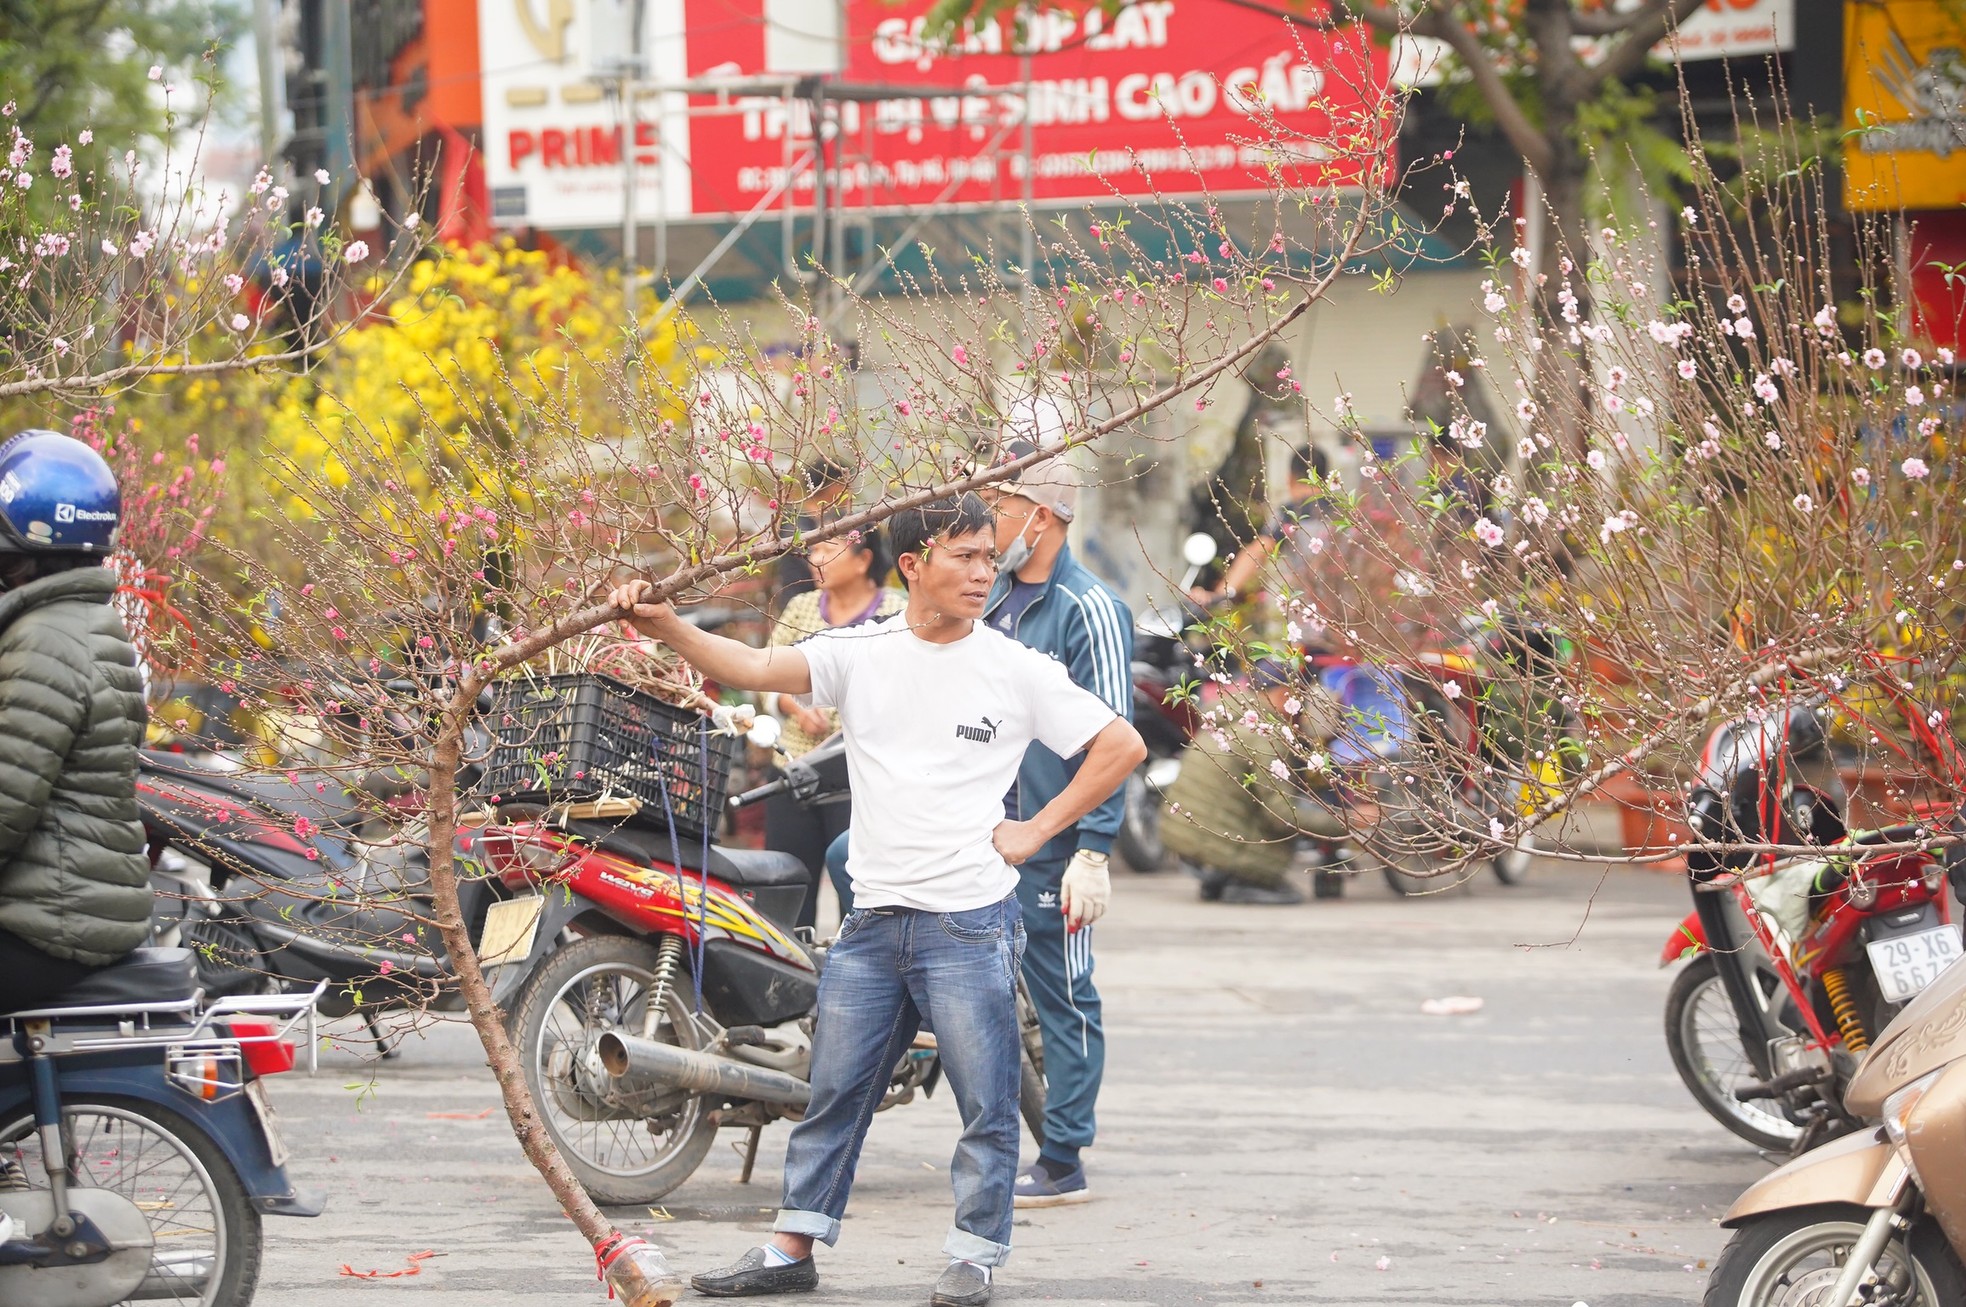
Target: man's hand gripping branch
{"type": "Point", "coordinates": [728, 662]}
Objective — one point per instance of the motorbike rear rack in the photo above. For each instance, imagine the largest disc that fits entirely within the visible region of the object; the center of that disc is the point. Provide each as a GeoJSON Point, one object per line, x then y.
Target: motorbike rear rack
{"type": "Point", "coordinates": [179, 1025]}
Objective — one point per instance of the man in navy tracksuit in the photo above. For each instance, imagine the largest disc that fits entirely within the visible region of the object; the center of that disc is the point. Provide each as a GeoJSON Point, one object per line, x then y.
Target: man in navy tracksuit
{"type": "Point", "coordinates": [1046, 600]}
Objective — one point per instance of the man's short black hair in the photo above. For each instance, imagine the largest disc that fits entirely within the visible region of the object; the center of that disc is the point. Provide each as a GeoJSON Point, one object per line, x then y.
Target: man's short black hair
{"type": "Point", "coordinates": [912, 529]}
{"type": "Point", "coordinates": [1308, 463]}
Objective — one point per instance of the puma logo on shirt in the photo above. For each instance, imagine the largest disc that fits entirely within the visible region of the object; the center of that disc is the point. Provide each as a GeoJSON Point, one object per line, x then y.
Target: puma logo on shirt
{"type": "Point", "coordinates": [980, 734]}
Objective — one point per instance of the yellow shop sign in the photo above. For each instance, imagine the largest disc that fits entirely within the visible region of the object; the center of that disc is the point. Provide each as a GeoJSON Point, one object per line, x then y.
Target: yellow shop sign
{"type": "Point", "coordinates": [1904, 104]}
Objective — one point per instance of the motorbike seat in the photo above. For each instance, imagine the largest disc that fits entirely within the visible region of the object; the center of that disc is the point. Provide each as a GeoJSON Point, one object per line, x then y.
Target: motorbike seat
{"type": "Point", "coordinates": [761, 869]}
{"type": "Point", "coordinates": [332, 807]}
{"type": "Point", "coordinates": [643, 844]}
{"type": "Point", "coordinates": [147, 975]}
{"type": "Point", "coordinates": [646, 845]}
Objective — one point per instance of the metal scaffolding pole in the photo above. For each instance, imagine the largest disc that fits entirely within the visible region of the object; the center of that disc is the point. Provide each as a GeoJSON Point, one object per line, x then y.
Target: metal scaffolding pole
{"type": "Point", "coordinates": [1028, 253]}
{"type": "Point", "coordinates": [631, 73]}
{"type": "Point", "coordinates": [822, 98]}
{"type": "Point", "coordinates": [731, 237]}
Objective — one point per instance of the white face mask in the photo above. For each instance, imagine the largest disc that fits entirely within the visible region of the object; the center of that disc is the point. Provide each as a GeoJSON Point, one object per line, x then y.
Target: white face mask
{"type": "Point", "coordinates": [1020, 550]}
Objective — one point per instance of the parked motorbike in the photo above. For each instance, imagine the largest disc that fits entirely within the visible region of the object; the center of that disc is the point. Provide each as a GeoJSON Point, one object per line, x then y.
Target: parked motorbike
{"type": "Point", "coordinates": [277, 886]}
{"type": "Point", "coordinates": [138, 1149]}
{"type": "Point", "coordinates": [1877, 1216]}
{"type": "Point", "coordinates": [1388, 714]}
{"type": "Point", "coordinates": [281, 883]}
{"type": "Point", "coordinates": [665, 993]}
{"type": "Point", "coordinates": [1793, 964]}
{"type": "Point", "coordinates": [1163, 663]}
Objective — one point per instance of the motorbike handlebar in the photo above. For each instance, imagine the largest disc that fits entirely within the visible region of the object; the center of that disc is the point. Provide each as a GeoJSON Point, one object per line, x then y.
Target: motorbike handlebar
{"type": "Point", "coordinates": [761, 793]}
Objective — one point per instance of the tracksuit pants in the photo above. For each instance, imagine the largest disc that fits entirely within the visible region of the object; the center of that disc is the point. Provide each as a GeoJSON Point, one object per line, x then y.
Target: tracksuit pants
{"type": "Point", "coordinates": [1058, 972]}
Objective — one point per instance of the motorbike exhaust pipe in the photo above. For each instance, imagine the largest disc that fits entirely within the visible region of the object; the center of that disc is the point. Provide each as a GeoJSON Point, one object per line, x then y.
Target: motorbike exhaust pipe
{"type": "Point", "coordinates": [631, 1057]}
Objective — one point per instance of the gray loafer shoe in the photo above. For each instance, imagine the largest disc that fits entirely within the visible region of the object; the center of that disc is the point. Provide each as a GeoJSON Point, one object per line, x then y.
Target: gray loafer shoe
{"type": "Point", "coordinates": [752, 1274]}
{"type": "Point", "coordinates": [962, 1285]}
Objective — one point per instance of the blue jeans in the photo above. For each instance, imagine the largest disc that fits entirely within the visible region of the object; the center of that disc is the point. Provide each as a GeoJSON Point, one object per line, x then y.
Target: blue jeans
{"type": "Point", "coordinates": [1058, 972]}
{"type": "Point", "coordinates": [836, 872]}
{"type": "Point", "coordinates": [890, 969]}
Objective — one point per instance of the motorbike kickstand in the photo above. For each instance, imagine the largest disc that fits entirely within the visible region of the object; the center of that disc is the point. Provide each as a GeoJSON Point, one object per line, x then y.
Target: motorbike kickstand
{"type": "Point", "coordinates": [387, 1051]}
{"type": "Point", "coordinates": [750, 1154]}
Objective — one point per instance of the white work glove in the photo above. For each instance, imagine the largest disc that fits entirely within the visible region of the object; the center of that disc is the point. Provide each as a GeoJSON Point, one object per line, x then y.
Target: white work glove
{"type": "Point", "coordinates": [1085, 890]}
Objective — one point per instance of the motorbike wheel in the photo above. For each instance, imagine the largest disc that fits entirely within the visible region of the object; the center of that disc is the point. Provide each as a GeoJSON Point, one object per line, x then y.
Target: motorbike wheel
{"type": "Point", "coordinates": [207, 1233]}
{"type": "Point", "coordinates": [1408, 838]}
{"type": "Point", "coordinates": [1030, 1065]}
{"type": "Point", "coordinates": [1512, 865]}
{"type": "Point", "coordinates": [1030, 1099]}
{"type": "Point", "coordinates": [1138, 838]}
{"type": "Point", "coordinates": [1704, 1037]}
{"type": "Point", "coordinates": [1794, 1256]}
{"type": "Point", "coordinates": [626, 1148]}
{"type": "Point", "coordinates": [1400, 846]}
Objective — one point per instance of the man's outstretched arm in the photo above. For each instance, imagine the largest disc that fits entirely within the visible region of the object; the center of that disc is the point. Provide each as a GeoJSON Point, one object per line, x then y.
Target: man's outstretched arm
{"type": "Point", "coordinates": [722, 659]}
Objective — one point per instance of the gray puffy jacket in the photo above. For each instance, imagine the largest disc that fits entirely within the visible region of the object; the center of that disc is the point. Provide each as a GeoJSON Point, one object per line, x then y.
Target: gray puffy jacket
{"type": "Point", "coordinates": [74, 881]}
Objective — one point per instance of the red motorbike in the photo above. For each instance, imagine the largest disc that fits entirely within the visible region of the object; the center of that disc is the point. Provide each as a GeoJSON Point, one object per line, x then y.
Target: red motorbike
{"type": "Point", "coordinates": [611, 933]}
{"type": "Point", "coordinates": [1795, 962]}
{"type": "Point", "coordinates": [654, 981]}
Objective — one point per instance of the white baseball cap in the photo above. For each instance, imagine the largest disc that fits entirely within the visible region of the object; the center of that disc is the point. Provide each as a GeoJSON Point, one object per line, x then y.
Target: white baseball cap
{"type": "Point", "coordinates": [1054, 484]}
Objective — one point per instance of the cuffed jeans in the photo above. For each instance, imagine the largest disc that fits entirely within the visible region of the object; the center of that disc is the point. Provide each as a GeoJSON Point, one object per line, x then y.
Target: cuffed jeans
{"type": "Point", "coordinates": [890, 969]}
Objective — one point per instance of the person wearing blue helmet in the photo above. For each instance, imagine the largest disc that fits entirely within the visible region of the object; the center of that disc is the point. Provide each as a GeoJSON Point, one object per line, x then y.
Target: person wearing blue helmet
{"type": "Point", "coordinates": [74, 878]}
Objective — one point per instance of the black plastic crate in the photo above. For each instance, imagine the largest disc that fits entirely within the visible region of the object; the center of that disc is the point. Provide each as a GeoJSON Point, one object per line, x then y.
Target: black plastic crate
{"type": "Point", "coordinates": [579, 737]}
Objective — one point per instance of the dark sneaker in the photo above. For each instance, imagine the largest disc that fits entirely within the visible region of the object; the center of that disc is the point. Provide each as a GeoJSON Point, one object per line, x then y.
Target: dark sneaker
{"type": "Point", "coordinates": [1237, 891]}
{"type": "Point", "coordinates": [962, 1285]}
{"type": "Point", "coordinates": [1212, 884]}
{"type": "Point", "coordinates": [1043, 1185]}
{"type": "Point", "coordinates": [753, 1274]}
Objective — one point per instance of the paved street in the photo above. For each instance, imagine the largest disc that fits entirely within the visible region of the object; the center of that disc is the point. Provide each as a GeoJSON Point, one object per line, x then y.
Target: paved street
{"type": "Point", "coordinates": [1279, 1124]}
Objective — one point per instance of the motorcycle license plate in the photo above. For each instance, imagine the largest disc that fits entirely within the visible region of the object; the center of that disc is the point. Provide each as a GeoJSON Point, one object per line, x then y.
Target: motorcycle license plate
{"type": "Point", "coordinates": [1906, 964]}
{"type": "Point", "coordinates": [276, 1144]}
{"type": "Point", "coordinates": [509, 930]}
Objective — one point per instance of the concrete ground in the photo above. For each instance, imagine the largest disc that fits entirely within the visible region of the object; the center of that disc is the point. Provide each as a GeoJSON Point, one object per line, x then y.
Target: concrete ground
{"type": "Point", "coordinates": [1280, 1124]}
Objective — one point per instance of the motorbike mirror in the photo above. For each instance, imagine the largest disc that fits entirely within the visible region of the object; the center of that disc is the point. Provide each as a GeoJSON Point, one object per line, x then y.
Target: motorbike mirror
{"type": "Point", "coordinates": [764, 732]}
{"type": "Point", "coordinates": [1198, 550]}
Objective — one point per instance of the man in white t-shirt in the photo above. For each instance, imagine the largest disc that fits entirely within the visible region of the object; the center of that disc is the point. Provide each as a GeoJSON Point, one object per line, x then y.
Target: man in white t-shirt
{"type": "Point", "coordinates": [937, 710]}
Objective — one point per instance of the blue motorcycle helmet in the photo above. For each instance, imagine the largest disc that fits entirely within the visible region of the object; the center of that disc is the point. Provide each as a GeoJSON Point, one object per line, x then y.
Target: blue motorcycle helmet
{"type": "Point", "coordinates": [57, 497]}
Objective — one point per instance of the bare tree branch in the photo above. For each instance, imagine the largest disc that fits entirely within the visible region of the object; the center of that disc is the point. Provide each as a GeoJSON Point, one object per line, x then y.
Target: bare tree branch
{"type": "Point", "coordinates": [1528, 139]}
{"type": "Point", "coordinates": [1646, 31]}
{"type": "Point", "coordinates": [1295, 19]}
{"type": "Point", "coordinates": [84, 383]}
{"type": "Point", "coordinates": [447, 746]}
{"type": "Point", "coordinates": [1608, 22]}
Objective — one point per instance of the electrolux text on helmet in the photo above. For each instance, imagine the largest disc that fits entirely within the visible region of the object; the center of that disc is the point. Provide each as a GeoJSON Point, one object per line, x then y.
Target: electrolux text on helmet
{"type": "Point", "coordinates": [70, 513]}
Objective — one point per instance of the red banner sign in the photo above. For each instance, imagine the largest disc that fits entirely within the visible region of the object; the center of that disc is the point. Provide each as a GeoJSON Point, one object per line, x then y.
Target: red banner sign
{"type": "Point", "coordinates": [1167, 96]}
